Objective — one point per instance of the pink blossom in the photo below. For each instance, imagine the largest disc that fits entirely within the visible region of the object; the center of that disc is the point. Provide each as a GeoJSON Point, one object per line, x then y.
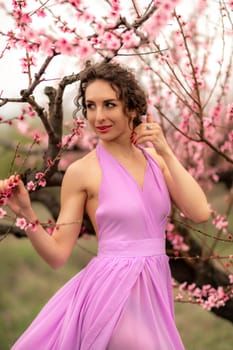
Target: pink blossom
{"type": "Point", "coordinates": [230, 136]}
{"type": "Point", "coordinates": [100, 26]}
{"type": "Point", "coordinates": [231, 278]}
{"type": "Point", "coordinates": [30, 111]}
{"type": "Point", "coordinates": [20, 4]}
{"type": "Point", "coordinates": [36, 137]}
{"type": "Point", "coordinates": [79, 124]}
{"type": "Point", "coordinates": [110, 41]}
{"type": "Point", "coordinates": [27, 62]}
{"type": "Point", "coordinates": [21, 223]}
{"type": "Point", "coordinates": [179, 297]}
{"type": "Point", "coordinates": [41, 13]}
{"type": "Point", "coordinates": [115, 10]}
{"type": "Point", "coordinates": [159, 19]}
{"type": "Point", "coordinates": [215, 113]}
{"type": "Point", "coordinates": [65, 47]}
{"type": "Point", "coordinates": [220, 222]}
{"type": "Point", "coordinates": [22, 18]}
{"type": "Point", "coordinates": [215, 177]}
{"type": "Point", "coordinates": [50, 162]}
{"type": "Point", "coordinates": [31, 226]}
{"type": "Point", "coordinates": [191, 287]}
{"type": "Point", "coordinates": [88, 17]}
{"type": "Point", "coordinates": [67, 141]}
{"type": "Point", "coordinates": [49, 230]}
{"type": "Point", "coordinates": [130, 39]}
{"type": "Point", "coordinates": [182, 286]}
{"type": "Point", "coordinates": [31, 186]}
{"type": "Point", "coordinates": [230, 3]}
{"type": "Point", "coordinates": [84, 49]}
{"type": "Point", "coordinates": [42, 183]}
{"type": "Point", "coordinates": [229, 114]}
{"type": "Point", "coordinates": [3, 200]}
{"type": "Point", "coordinates": [50, 226]}
{"type": "Point", "coordinates": [40, 176]}
{"type": "Point", "coordinates": [75, 3]}
{"type": "Point", "coordinates": [177, 241]}
{"type": "Point", "coordinates": [46, 45]}
{"type": "Point", "coordinates": [227, 146]}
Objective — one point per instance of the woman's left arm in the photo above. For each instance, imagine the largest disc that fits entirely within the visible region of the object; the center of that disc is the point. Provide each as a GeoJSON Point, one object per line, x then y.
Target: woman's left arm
{"type": "Point", "coordinates": [183, 188]}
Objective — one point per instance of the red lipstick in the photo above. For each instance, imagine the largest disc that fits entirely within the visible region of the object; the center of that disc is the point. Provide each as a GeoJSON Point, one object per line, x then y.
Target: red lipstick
{"type": "Point", "coordinates": [103, 128]}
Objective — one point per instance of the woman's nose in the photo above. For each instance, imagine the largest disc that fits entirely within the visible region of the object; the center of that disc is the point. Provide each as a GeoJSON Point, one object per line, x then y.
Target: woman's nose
{"type": "Point", "coordinates": [99, 114]}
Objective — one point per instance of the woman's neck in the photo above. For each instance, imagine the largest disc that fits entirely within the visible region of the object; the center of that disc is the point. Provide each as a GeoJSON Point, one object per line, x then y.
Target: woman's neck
{"type": "Point", "coordinates": [123, 149]}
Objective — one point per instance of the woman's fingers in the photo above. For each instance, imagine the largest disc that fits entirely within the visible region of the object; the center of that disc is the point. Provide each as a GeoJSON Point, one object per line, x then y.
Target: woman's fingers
{"type": "Point", "coordinates": [145, 132]}
{"type": "Point", "coordinates": [9, 183]}
{"type": "Point", "coordinates": [151, 132]}
{"type": "Point", "coordinates": [3, 185]}
{"type": "Point", "coordinates": [149, 118]}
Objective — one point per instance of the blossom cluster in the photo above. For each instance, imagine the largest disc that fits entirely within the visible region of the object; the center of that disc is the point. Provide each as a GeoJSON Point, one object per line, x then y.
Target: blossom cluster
{"type": "Point", "coordinates": [7, 193]}
{"type": "Point", "coordinates": [220, 222]}
{"type": "Point", "coordinates": [24, 225]}
{"type": "Point", "coordinates": [206, 296]}
{"type": "Point", "coordinates": [91, 36]}
{"type": "Point", "coordinates": [176, 240]}
{"type": "Point", "coordinates": [27, 62]}
{"type": "Point", "coordinates": [160, 18]}
{"type": "Point", "coordinates": [40, 181]}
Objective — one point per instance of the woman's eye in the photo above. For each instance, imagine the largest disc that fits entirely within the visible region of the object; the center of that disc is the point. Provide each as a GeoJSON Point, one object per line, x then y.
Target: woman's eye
{"type": "Point", "coordinates": [90, 105]}
{"type": "Point", "coordinates": [110, 105]}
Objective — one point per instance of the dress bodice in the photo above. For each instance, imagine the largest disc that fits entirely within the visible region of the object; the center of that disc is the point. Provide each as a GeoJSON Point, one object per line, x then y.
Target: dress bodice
{"type": "Point", "coordinates": [126, 211]}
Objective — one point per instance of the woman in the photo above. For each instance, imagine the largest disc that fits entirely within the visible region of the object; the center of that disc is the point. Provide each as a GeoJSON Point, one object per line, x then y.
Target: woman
{"type": "Point", "coordinates": [122, 300]}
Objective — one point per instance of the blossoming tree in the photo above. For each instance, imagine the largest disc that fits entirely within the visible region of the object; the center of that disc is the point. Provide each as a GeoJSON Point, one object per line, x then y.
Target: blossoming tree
{"type": "Point", "coordinates": [184, 58]}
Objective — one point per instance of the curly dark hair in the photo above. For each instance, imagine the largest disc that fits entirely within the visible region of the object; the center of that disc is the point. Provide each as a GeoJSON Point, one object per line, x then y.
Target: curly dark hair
{"type": "Point", "coordinates": [122, 80]}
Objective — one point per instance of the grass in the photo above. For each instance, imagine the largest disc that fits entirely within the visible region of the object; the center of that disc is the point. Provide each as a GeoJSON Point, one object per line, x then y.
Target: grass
{"type": "Point", "coordinates": [28, 283]}
{"type": "Point", "coordinates": [202, 330]}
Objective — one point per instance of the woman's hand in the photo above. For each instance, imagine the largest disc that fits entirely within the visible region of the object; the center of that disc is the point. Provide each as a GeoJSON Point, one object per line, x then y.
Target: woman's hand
{"type": "Point", "coordinates": [17, 196]}
{"type": "Point", "coordinates": [184, 190]}
{"type": "Point", "coordinates": [151, 132]}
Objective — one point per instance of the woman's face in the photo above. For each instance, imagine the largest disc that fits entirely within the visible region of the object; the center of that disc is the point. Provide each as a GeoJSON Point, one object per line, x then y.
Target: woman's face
{"type": "Point", "coordinates": [105, 112]}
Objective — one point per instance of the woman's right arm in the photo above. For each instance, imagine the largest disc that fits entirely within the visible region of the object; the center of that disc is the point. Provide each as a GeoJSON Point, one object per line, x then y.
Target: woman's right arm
{"type": "Point", "coordinates": [55, 249]}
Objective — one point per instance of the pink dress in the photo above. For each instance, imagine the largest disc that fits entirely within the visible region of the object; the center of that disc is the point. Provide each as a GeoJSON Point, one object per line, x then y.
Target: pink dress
{"type": "Point", "coordinates": [122, 300]}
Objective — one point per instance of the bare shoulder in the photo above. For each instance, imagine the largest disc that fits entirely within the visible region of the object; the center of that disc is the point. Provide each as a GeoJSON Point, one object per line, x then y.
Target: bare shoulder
{"type": "Point", "coordinates": [156, 156]}
{"type": "Point", "coordinates": [81, 167]}
{"type": "Point", "coordinates": [80, 173]}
